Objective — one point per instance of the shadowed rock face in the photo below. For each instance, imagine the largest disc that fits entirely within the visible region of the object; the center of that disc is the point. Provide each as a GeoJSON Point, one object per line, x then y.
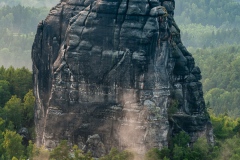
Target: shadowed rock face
{"type": "Point", "coordinates": [114, 73]}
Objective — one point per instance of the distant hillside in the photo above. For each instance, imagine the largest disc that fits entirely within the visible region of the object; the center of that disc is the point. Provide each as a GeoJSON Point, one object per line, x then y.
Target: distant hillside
{"type": "Point", "coordinates": [219, 13]}
{"type": "Point", "coordinates": [206, 23]}
{"type": "Point", "coordinates": [220, 71]}
{"type": "Point", "coordinates": [18, 25]}
{"type": "Point", "coordinates": [30, 3]}
{"type": "Point", "coordinates": [203, 24]}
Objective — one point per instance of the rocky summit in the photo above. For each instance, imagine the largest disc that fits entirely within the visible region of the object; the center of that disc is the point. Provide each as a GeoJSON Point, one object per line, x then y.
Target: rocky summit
{"type": "Point", "coordinates": [114, 73]}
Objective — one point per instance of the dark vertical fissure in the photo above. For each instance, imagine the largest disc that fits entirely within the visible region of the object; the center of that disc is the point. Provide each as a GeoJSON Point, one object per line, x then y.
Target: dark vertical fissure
{"type": "Point", "coordinates": [121, 23]}
{"type": "Point", "coordinates": [61, 23]}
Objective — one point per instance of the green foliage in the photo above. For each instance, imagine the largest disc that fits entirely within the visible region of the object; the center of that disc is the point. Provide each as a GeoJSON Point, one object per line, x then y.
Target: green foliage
{"type": "Point", "coordinates": [223, 126]}
{"type": "Point", "coordinates": [30, 150]}
{"type": "Point", "coordinates": [236, 129]}
{"type": "Point", "coordinates": [14, 158]}
{"type": "Point", "coordinates": [181, 150]}
{"type": "Point", "coordinates": [226, 131]}
{"type": "Point", "coordinates": [19, 80]}
{"type": "Point", "coordinates": [12, 145]}
{"type": "Point", "coordinates": [179, 153]}
{"type": "Point", "coordinates": [64, 152]}
{"type": "Point", "coordinates": [15, 112]}
{"type": "Point", "coordinates": [182, 139]}
{"type": "Point", "coordinates": [4, 92]}
{"type": "Point", "coordinates": [156, 154]}
{"type": "Point", "coordinates": [35, 153]}
{"type": "Point", "coordinates": [22, 82]}
{"type": "Point", "coordinates": [28, 109]}
{"type": "Point", "coordinates": [173, 107]}
{"type": "Point", "coordinates": [220, 72]}
{"type": "Point", "coordinates": [115, 154]}
{"type": "Point", "coordinates": [229, 149]}
{"type": "Point", "coordinates": [61, 152]}
{"type": "Point", "coordinates": [201, 149]}
{"type": "Point", "coordinates": [12, 112]}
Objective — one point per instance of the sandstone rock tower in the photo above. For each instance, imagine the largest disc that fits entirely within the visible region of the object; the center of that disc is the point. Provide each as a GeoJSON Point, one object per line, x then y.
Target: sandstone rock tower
{"type": "Point", "coordinates": [114, 73]}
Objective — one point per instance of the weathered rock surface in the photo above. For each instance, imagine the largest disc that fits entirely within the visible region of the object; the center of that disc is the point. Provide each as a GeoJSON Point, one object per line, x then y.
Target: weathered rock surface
{"type": "Point", "coordinates": [114, 73]}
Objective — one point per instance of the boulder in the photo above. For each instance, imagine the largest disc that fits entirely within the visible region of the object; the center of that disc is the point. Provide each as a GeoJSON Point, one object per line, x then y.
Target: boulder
{"type": "Point", "coordinates": [106, 72]}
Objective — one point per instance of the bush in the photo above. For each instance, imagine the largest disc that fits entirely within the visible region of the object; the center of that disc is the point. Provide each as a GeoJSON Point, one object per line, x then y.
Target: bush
{"type": "Point", "coordinates": [115, 154]}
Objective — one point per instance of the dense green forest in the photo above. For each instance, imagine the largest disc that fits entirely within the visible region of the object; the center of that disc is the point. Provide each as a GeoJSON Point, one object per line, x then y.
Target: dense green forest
{"type": "Point", "coordinates": [220, 71]}
{"type": "Point", "coordinates": [208, 23]}
{"type": "Point", "coordinates": [209, 28]}
{"type": "Point", "coordinates": [17, 112]}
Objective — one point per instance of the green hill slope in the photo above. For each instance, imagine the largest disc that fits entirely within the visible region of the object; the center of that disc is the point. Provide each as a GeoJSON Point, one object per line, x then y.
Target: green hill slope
{"type": "Point", "coordinates": [221, 78]}
{"type": "Point", "coordinates": [219, 13]}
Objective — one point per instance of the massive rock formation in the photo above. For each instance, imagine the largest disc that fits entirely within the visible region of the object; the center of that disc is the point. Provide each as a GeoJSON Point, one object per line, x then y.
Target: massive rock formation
{"type": "Point", "coordinates": [114, 73]}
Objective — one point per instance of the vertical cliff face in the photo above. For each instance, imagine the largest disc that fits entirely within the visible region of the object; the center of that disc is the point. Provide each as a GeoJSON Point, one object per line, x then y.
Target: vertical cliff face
{"type": "Point", "coordinates": [114, 73]}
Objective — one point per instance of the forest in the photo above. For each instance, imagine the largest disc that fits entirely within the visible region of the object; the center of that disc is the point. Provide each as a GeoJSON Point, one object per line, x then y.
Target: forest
{"type": "Point", "coordinates": [208, 23]}
{"type": "Point", "coordinates": [17, 112]}
{"type": "Point", "coordinates": [210, 30]}
{"type": "Point", "coordinates": [17, 30]}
